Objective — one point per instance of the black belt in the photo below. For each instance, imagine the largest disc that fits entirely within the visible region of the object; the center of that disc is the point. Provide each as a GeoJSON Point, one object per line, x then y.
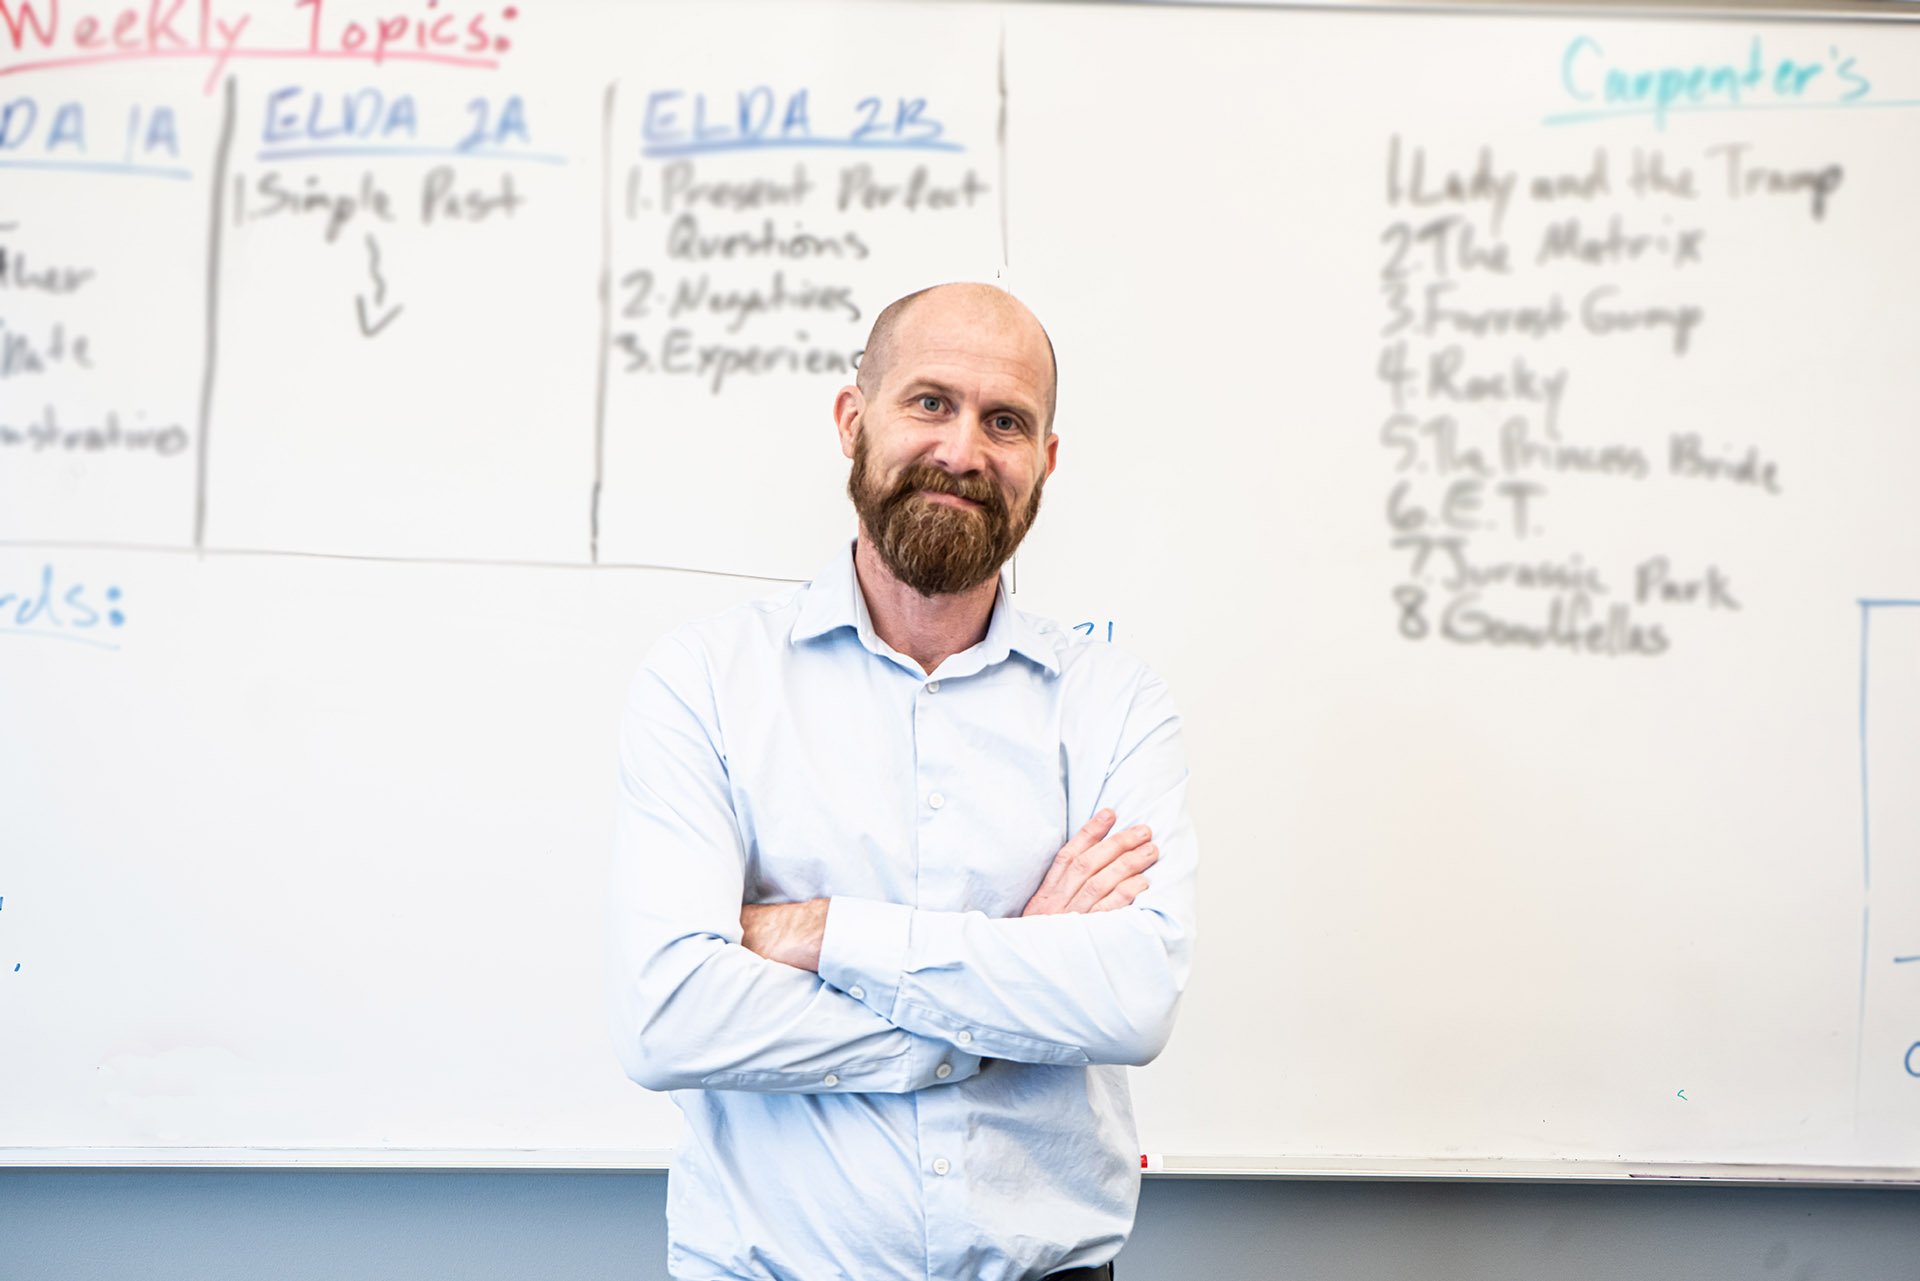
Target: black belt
{"type": "Point", "coordinates": [1102, 1273]}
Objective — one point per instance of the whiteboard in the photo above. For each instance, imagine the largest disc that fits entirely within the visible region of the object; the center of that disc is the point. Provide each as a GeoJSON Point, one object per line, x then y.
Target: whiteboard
{"type": "Point", "coordinates": [1495, 427]}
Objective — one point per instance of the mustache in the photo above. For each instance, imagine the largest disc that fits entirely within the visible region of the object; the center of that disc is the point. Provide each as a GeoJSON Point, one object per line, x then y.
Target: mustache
{"type": "Point", "coordinates": [971, 486]}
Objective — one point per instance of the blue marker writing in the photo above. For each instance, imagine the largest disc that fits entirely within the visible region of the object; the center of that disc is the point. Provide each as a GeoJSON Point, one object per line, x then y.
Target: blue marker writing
{"type": "Point", "coordinates": [1612, 87]}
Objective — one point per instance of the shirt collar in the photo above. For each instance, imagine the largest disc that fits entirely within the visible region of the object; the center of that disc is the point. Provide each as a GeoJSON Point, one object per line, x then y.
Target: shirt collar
{"type": "Point", "coordinates": [833, 600]}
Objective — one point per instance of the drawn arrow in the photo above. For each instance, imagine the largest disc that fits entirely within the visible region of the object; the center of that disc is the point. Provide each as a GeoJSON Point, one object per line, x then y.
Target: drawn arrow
{"type": "Point", "coordinates": [1683, 1097]}
{"type": "Point", "coordinates": [372, 327]}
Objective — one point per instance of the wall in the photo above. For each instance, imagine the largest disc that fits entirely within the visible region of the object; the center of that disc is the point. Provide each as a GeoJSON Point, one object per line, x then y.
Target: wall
{"type": "Point", "coordinates": [102, 1225]}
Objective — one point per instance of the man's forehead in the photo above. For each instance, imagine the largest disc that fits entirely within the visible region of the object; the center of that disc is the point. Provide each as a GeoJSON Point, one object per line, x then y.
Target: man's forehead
{"type": "Point", "coordinates": [971, 336]}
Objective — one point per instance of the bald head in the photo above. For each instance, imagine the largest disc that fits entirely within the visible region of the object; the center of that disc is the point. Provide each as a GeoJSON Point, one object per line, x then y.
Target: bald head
{"type": "Point", "coordinates": [988, 302]}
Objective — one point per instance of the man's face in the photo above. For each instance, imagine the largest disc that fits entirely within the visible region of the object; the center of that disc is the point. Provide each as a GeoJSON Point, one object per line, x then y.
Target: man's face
{"type": "Point", "coordinates": [951, 451]}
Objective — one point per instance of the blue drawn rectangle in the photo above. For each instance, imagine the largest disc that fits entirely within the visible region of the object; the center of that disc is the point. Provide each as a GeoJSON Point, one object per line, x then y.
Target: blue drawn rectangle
{"type": "Point", "coordinates": [1887, 1068]}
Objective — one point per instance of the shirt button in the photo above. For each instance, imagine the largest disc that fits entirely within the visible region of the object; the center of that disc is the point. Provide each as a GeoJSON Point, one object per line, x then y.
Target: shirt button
{"type": "Point", "coordinates": [964, 1037]}
{"type": "Point", "coordinates": [933, 687]}
{"type": "Point", "coordinates": [941, 1165]}
{"type": "Point", "coordinates": [831, 1081]}
{"type": "Point", "coordinates": [936, 800]}
{"type": "Point", "coordinates": [944, 1071]}
{"type": "Point", "coordinates": [857, 993]}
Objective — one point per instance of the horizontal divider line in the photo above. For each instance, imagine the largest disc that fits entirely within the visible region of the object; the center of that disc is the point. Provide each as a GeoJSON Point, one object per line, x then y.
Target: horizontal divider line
{"type": "Point", "coordinates": [181, 549]}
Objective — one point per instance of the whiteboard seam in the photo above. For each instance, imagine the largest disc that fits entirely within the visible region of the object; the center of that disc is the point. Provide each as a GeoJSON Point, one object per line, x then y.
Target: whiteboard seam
{"type": "Point", "coordinates": [177, 549]}
{"type": "Point", "coordinates": [606, 320]}
{"type": "Point", "coordinates": [217, 215]}
{"type": "Point", "coordinates": [1866, 876]}
{"type": "Point", "coordinates": [1000, 141]}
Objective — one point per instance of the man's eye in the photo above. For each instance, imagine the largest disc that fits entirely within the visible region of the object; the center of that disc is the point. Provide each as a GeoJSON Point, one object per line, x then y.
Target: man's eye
{"type": "Point", "coordinates": [930, 403]}
{"type": "Point", "coordinates": [1005, 422]}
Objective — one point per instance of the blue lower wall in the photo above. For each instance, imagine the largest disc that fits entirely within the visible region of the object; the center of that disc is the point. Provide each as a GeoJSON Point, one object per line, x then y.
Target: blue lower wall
{"type": "Point", "coordinates": [103, 1225]}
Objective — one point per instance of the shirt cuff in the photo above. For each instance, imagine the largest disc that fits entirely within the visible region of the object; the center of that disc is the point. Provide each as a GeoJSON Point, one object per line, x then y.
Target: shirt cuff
{"type": "Point", "coordinates": [863, 951]}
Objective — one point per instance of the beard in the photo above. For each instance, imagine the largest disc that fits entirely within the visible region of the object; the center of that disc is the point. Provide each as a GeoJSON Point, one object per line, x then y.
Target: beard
{"type": "Point", "coordinates": [935, 548]}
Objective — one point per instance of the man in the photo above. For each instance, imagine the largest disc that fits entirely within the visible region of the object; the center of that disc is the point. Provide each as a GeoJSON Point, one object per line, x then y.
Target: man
{"type": "Point", "coordinates": [854, 928]}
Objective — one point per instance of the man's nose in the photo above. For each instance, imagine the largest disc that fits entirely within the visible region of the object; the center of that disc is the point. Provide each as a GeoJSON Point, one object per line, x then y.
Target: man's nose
{"type": "Point", "coordinates": [961, 445]}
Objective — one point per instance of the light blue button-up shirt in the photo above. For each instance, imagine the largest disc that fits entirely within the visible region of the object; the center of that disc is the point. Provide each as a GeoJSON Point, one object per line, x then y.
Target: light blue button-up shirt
{"type": "Point", "coordinates": [944, 1098]}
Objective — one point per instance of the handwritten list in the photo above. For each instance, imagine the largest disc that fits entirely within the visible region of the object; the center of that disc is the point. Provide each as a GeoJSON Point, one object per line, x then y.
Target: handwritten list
{"type": "Point", "coordinates": [1505, 286]}
{"type": "Point", "coordinates": [99, 414]}
{"type": "Point", "coordinates": [765, 201]}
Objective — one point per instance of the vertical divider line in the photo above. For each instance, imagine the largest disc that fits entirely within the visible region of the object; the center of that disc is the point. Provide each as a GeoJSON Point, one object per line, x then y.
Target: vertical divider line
{"type": "Point", "coordinates": [1000, 144]}
{"type": "Point", "coordinates": [1000, 138]}
{"type": "Point", "coordinates": [1866, 870]}
{"type": "Point", "coordinates": [606, 318]}
{"type": "Point", "coordinates": [217, 216]}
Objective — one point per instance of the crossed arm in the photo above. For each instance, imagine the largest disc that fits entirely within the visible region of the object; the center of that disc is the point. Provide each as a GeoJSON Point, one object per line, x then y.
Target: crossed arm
{"type": "Point", "coordinates": [849, 994]}
{"type": "Point", "coordinates": [1099, 870]}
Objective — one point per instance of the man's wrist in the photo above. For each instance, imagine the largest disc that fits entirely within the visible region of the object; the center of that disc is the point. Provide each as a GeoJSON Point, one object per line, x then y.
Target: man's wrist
{"type": "Point", "coordinates": [789, 933]}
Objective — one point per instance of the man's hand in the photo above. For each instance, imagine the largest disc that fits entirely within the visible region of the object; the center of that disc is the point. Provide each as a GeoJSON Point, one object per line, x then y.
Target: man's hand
{"type": "Point", "coordinates": [789, 933]}
{"type": "Point", "coordinates": [1095, 871]}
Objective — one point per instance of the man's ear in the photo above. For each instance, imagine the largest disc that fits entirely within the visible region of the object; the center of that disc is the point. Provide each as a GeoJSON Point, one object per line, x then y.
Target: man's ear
{"type": "Point", "coordinates": [847, 408]}
{"type": "Point", "coordinates": [1053, 452]}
